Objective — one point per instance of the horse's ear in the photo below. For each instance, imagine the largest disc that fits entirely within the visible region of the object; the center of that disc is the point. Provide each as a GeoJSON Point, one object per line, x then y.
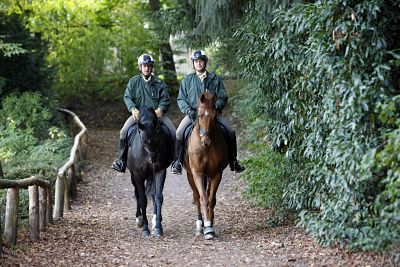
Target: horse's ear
{"type": "Point", "coordinates": [202, 98]}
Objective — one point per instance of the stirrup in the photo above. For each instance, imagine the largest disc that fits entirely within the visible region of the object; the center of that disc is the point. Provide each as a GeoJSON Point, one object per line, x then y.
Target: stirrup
{"type": "Point", "coordinates": [176, 167]}
{"type": "Point", "coordinates": [119, 165]}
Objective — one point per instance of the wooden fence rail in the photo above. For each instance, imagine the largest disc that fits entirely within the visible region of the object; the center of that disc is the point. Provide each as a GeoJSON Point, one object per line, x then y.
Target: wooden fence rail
{"type": "Point", "coordinates": [41, 210]}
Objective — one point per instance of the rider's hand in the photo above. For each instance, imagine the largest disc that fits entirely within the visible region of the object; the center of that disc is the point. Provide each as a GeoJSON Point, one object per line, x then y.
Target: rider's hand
{"type": "Point", "coordinates": [159, 112]}
{"type": "Point", "coordinates": [192, 114]}
{"type": "Point", "coordinates": [135, 113]}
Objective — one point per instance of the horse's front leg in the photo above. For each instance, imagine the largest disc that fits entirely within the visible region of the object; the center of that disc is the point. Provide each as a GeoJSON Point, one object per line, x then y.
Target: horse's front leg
{"type": "Point", "coordinates": [143, 206]}
{"type": "Point", "coordinates": [196, 201]}
{"type": "Point", "coordinates": [139, 217]}
{"type": "Point", "coordinates": [212, 195]}
{"type": "Point", "coordinates": [159, 179]}
{"type": "Point", "coordinates": [208, 231]}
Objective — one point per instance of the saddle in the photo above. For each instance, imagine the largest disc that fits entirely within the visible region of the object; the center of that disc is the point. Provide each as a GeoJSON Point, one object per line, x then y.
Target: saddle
{"type": "Point", "coordinates": [189, 128]}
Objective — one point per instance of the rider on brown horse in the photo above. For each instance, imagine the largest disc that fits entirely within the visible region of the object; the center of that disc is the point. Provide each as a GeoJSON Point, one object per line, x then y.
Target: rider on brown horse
{"type": "Point", "coordinates": [143, 90]}
{"type": "Point", "coordinates": [190, 89]}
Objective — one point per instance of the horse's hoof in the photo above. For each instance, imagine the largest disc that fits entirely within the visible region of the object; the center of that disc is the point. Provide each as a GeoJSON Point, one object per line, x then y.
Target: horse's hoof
{"type": "Point", "coordinates": [145, 234]}
{"type": "Point", "coordinates": [139, 222]}
{"type": "Point", "coordinates": [208, 233]}
{"type": "Point", "coordinates": [157, 232]}
{"type": "Point", "coordinates": [209, 236]}
{"type": "Point", "coordinates": [198, 232]}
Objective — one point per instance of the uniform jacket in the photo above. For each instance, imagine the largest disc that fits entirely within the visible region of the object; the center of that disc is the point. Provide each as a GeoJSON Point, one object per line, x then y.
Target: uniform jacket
{"type": "Point", "coordinates": [191, 88]}
{"type": "Point", "coordinates": [154, 93]}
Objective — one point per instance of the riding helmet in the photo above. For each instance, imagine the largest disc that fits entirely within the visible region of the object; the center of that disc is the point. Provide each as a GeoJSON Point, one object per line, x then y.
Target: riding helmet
{"type": "Point", "coordinates": [199, 54]}
{"type": "Point", "coordinates": [145, 59]}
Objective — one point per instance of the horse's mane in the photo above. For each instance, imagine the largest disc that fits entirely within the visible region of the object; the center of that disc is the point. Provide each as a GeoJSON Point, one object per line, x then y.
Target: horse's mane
{"type": "Point", "coordinates": [146, 112]}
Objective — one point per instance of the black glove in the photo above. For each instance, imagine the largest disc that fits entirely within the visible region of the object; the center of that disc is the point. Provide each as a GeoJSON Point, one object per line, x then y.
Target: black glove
{"type": "Point", "coordinates": [192, 114]}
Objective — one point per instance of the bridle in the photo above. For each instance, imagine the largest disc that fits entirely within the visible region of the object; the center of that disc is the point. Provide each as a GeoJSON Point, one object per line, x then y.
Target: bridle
{"type": "Point", "coordinates": [151, 153]}
{"type": "Point", "coordinates": [203, 133]}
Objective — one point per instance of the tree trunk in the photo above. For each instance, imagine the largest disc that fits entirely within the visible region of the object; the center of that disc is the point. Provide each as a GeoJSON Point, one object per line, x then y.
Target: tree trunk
{"type": "Point", "coordinates": [167, 60]}
{"type": "Point", "coordinates": [1, 172]}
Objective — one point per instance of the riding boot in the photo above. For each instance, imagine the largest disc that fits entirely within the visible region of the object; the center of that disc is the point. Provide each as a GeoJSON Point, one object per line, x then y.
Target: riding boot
{"type": "Point", "coordinates": [120, 164]}
{"type": "Point", "coordinates": [234, 164]}
{"type": "Point", "coordinates": [176, 167]}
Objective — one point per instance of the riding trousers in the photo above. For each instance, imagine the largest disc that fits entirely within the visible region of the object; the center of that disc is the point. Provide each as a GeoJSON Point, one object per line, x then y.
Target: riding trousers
{"type": "Point", "coordinates": [164, 119]}
{"type": "Point", "coordinates": [186, 121]}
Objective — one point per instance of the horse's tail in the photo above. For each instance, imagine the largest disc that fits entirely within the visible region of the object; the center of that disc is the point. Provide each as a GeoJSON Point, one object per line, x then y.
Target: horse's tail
{"type": "Point", "coordinates": [150, 186]}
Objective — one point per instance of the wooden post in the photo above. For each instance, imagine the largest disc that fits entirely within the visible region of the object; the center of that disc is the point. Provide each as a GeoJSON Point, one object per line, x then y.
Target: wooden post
{"type": "Point", "coordinates": [59, 198]}
{"type": "Point", "coordinates": [34, 232]}
{"type": "Point", "coordinates": [11, 220]}
{"type": "Point", "coordinates": [49, 206]}
{"type": "Point", "coordinates": [77, 168]}
{"type": "Point", "coordinates": [85, 141]}
{"type": "Point", "coordinates": [42, 208]}
{"type": "Point", "coordinates": [67, 204]}
{"type": "Point", "coordinates": [71, 181]}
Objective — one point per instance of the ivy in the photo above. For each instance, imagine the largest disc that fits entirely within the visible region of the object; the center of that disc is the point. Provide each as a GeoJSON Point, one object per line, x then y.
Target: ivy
{"type": "Point", "coordinates": [327, 74]}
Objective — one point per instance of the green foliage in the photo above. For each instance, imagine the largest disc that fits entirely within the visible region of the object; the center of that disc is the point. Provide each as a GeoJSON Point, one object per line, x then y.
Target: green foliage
{"type": "Point", "coordinates": [25, 150]}
{"type": "Point", "coordinates": [330, 104]}
{"type": "Point", "coordinates": [24, 113]}
{"type": "Point", "coordinates": [91, 43]}
{"type": "Point", "coordinates": [10, 49]}
{"type": "Point", "coordinates": [265, 176]}
{"type": "Point", "coordinates": [22, 57]}
{"type": "Point", "coordinates": [43, 161]}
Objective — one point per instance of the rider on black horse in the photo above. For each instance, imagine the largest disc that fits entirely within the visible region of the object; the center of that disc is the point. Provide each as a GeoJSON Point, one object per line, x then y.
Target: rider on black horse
{"type": "Point", "coordinates": [190, 89]}
{"type": "Point", "coordinates": [144, 89]}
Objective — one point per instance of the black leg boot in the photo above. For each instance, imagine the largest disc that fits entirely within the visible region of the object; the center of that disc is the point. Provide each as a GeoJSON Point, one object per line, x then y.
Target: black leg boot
{"type": "Point", "coordinates": [120, 164]}
{"type": "Point", "coordinates": [234, 163]}
{"type": "Point", "coordinates": [176, 167]}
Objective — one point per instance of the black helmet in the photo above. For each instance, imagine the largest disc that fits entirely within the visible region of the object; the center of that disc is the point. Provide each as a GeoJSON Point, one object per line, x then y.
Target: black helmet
{"type": "Point", "coordinates": [199, 54]}
{"type": "Point", "coordinates": [145, 59]}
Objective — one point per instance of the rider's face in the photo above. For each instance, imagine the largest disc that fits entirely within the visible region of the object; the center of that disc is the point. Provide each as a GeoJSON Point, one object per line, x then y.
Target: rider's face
{"type": "Point", "coordinates": [146, 69]}
{"type": "Point", "coordinates": [199, 65]}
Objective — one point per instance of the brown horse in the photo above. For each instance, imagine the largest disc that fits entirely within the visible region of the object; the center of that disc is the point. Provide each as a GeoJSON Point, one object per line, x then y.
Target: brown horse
{"type": "Point", "coordinates": [206, 158]}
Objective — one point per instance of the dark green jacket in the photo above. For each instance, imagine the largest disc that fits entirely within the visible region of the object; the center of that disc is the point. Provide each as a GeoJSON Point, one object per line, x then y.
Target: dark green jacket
{"type": "Point", "coordinates": [191, 88]}
{"type": "Point", "coordinates": [154, 94]}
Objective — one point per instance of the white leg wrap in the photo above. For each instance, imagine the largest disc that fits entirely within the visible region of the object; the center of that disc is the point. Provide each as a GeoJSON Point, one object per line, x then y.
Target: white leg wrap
{"type": "Point", "coordinates": [153, 221]}
{"type": "Point", "coordinates": [207, 223]}
{"type": "Point", "coordinates": [199, 224]}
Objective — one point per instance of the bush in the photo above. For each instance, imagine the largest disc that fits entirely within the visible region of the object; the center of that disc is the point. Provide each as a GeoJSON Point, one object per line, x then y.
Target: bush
{"type": "Point", "coordinates": [25, 150]}
{"type": "Point", "coordinates": [26, 112]}
{"type": "Point", "coordinates": [327, 74]}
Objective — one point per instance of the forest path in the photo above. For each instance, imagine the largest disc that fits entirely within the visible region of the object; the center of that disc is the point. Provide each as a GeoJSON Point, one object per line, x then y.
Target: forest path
{"type": "Point", "coordinates": [100, 229]}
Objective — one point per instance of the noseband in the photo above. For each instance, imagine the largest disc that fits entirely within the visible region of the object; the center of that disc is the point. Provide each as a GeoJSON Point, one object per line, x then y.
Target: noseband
{"type": "Point", "coordinates": [201, 131]}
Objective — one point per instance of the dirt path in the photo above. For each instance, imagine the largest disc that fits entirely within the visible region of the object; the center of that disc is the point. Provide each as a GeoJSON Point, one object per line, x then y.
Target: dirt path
{"type": "Point", "coordinates": [100, 229]}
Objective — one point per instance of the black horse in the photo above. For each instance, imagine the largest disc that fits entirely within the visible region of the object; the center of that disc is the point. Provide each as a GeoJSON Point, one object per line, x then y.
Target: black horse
{"type": "Point", "coordinates": [150, 153]}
